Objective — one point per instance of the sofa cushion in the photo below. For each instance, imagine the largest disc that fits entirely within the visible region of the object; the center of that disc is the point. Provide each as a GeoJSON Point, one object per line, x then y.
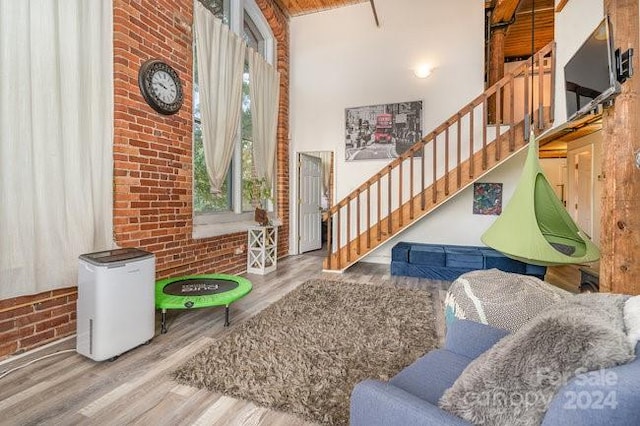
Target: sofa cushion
{"type": "Point", "coordinates": [400, 252]}
{"type": "Point", "coordinates": [605, 397]}
{"type": "Point", "coordinates": [376, 403]}
{"type": "Point", "coordinates": [470, 338]}
{"type": "Point", "coordinates": [425, 254]}
{"type": "Point", "coordinates": [429, 376]}
{"type": "Point", "coordinates": [502, 299]}
{"type": "Point", "coordinates": [495, 259]}
{"type": "Point", "coordinates": [426, 271]}
{"type": "Point", "coordinates": [517, 378]}
{"type": "Point", "coordinates": [632, 319]}
{"type": "Point", "coordinates": [463, 257]}
{"type": "Point", "coordinates": [535, 270]}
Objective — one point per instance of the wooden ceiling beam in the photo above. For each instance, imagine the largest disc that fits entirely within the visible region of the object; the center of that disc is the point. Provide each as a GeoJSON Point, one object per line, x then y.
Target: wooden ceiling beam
{"type": "Point", "coordinates": [375, 13]}
{"type": "Point", "coordinates": [504, 11]}
{"type": "Point", "coordinates": [303, 7]}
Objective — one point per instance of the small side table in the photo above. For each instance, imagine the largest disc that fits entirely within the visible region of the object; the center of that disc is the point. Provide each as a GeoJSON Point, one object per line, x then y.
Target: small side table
{"type": "Point", "coordinates": [262, 249]}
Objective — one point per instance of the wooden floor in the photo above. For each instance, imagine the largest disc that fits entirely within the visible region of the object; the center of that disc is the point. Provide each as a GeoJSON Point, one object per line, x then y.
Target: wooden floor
{"type": "Point", "coordinates": [69, 389]}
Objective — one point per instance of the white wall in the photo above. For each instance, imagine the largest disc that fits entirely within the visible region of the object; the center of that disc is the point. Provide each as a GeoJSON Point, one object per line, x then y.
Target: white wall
{"type": "Point", "coordinates": [572, 27]}
{"type": "Point", "coordinates": [340, 59]}
{"type": "Point", "coordinates": [453, 222]}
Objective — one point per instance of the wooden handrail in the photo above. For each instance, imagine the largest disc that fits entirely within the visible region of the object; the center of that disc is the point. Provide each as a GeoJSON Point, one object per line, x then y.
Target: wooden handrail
{"type": "Point", "coordinates": [416, 205]}
{"type": "Point", "coordinates": [447, 123]}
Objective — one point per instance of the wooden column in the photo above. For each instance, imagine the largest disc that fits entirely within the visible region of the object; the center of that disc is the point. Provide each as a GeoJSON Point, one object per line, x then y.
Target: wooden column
{"type": "Point", "coordinates": [620, 221]}
{"type": "Point", "coordinates": [496, 66]}
{"type": "Point", "coordinates": [496, 62]}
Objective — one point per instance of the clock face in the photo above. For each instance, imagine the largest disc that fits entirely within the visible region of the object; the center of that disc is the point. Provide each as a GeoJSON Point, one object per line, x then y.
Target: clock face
{"type": "Point", "coordinates": [164, 87]}
{"type": "Point", "coordinates": [160, 86]}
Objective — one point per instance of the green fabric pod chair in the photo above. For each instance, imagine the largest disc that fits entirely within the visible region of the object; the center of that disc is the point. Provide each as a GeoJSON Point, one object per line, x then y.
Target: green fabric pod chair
{"type": "Point", "coordinates": [535, 227]}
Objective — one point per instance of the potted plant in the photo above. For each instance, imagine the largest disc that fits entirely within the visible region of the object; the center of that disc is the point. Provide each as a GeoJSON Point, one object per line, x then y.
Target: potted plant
{"type": "Point", "coordinates": [259, 192]}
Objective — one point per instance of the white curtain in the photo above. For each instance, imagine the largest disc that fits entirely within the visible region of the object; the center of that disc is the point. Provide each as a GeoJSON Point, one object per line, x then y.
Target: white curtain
{"type": "Point", "coordinates": [221, 55]}
{"type": "Point", "coordinates": [56, 140]}
{"type": "Point", "coordinates": [264, 90]}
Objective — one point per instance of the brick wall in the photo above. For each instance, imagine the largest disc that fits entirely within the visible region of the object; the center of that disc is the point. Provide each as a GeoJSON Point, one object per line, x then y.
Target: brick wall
{"type": "Point", "coordinates": [30, 321]}
{"type": "Point", "coordinates": [153, 169]}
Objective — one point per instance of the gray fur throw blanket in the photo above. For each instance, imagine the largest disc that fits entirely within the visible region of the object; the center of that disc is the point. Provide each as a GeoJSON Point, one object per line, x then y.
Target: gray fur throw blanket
{"type": "Point", "coordinates": [514, 382]}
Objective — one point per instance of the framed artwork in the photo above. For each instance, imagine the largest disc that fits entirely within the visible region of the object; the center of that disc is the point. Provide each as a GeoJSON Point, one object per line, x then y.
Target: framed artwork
{"type": "Point", "coordinates": [382, 132]}
{"type": "Point", "coordinates": [487, 198]}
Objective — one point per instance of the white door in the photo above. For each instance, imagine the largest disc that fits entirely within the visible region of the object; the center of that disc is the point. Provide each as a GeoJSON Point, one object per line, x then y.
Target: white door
{"type": "Point", "coordinates": [583, 194]}
{"type": "Point", "coordinates": [309, 211]}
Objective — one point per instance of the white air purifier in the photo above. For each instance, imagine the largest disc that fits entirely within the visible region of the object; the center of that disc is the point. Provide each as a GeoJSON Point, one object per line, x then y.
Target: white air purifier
{"type": "Point", "coordinates": [116, 302]}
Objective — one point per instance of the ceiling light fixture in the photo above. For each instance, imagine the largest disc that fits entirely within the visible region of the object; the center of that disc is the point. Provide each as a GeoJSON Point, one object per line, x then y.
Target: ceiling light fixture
{"type": "Point", "coordinates": [422, 71]}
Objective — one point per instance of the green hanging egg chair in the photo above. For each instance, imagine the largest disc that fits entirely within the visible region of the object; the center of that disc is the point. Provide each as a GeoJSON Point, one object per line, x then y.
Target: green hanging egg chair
{"type": "Point", "coordinates": [535, 227]}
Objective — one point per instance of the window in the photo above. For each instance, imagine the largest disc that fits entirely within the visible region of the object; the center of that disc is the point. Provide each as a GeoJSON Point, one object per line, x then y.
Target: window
{"type": "Point", "coordinates": [228, 211]}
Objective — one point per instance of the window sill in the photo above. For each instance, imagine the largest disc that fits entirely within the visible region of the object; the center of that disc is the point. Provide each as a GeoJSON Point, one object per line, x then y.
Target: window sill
{"type": "Point", "coordinates": [207, 226]}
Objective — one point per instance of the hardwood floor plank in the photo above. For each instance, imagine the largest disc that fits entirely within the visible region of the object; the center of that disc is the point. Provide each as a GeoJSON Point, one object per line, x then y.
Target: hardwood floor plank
{"type": "Point", "coordinates": [217, 413]}
{"type": "Point", "coordinates": [160, 368]}
{"type": "Point", "coordinates": [137, 389]}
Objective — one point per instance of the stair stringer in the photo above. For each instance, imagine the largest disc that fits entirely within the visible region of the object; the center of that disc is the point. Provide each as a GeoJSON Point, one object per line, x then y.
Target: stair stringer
{"type": "Point", "coordinates": [424, 203]}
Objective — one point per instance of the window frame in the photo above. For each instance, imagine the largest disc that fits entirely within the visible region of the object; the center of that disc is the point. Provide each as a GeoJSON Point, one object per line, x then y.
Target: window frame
{"type": "Point", "coordinates": [212, 224]}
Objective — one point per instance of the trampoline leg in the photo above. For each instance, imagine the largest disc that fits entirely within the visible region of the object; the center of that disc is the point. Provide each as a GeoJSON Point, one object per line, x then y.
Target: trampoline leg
{"type": "Point", "coordinates": [164, 322]}
{"type": "Point", "coordinates": [226, 316]}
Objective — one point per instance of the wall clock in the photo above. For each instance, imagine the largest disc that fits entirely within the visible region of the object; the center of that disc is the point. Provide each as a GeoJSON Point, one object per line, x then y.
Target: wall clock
{"type": "Point", "coordinates": [160, 86]}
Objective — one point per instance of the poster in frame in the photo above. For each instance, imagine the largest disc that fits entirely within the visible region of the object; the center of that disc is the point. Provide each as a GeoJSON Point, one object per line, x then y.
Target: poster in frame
{"type": "Point", "coordinates": [487, 198]}
{"type": "Point", "coordinates": [382, 132]}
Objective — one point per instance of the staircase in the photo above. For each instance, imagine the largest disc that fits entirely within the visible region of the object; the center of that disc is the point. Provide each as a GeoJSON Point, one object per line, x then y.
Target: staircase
{"type": "Point", "coordinates": [475, 140]}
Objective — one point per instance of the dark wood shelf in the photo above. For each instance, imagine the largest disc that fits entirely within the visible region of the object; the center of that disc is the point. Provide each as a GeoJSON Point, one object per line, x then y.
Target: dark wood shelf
{"type": "Point", "coordinates": [553, 142]}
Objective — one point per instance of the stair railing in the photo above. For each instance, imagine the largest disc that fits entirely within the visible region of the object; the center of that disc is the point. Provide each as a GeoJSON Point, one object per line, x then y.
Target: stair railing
{"type": "Point", "coordinates": [443, 162]}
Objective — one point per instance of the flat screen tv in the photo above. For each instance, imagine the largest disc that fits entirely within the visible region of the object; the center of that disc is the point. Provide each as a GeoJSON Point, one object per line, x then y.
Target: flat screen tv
{"type": "Point", "coordinates": [590, 75]}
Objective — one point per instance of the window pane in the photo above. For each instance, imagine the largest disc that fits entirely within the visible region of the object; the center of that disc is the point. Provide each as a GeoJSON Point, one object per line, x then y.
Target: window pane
{"type": "Point", "coordinates": [247, 139]}
{"type": "Point", "coordinates": [247, 173]}
{"type": "Point", "coordinates": [252, 35]}
{"type": "Point", "coordinates": [241, 168]}
{"type": "Point", "coordinates": [219, 8]}
{"type": "Point", "coordinates": [203, 200]}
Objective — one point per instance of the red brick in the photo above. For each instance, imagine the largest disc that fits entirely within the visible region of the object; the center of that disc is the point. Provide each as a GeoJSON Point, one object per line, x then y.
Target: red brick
{"type": "Point", "coordinates": [46, 304]}
{"type": "Point", "coordinates": [152, 163]}
{"type": "Point", "coordinates": [16, 312]}
{"type": "Point", "coordinates": [8, 349]}
{"type": "Point", "coordinates": [32, 318]}
{"type": "Point", "coordinates": [22, 300]}
{"type": "Point", "coordinates": [6, 326]}
{"type": "Point", "coordinates": [51, 323]}
{"type": "Point", "coordinates": [37, 339]}
{"type": "Point", "coordinates": [66, 329]}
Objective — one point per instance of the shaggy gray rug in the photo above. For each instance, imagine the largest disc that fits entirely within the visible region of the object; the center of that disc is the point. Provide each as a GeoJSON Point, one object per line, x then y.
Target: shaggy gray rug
{"type": "Point", "coordinates": [304, 353]}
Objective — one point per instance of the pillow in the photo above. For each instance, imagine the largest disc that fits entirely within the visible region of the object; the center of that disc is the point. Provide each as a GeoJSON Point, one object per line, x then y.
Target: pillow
{"type": "Point", "coordinates": [502, 299]}
{"type": "Point", "coordinates": [515, 380]}
{"type": "Point", "coordinates": [632, 320]}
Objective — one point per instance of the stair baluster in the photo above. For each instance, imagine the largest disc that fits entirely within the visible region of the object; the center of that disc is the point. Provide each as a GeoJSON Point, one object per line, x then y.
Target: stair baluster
{"type": "Point", "coordinates": [343, 234]}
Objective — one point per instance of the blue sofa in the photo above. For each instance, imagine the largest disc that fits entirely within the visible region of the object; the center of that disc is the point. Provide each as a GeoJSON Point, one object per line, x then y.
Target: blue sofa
{"type": "Point", "coordinates": [411, 397]}
{"type": "Point", "coordinates": [447, 262]}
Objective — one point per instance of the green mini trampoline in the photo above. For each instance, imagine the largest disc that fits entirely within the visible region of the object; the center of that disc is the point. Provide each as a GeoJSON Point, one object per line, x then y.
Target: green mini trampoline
{"type": "Point", "coordinates": [200, 291]}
